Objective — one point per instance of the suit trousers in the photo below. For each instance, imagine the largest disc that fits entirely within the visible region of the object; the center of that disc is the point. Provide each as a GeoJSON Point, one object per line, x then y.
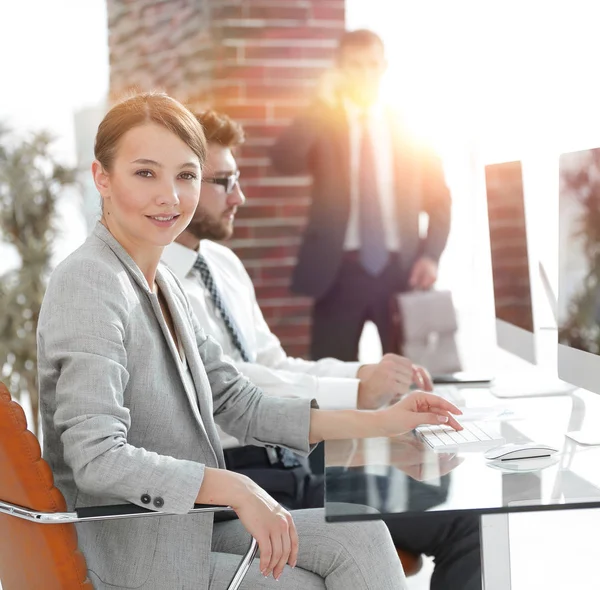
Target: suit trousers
{"type": "Point", "coordinates": [355, 297]}
{"type": "Point", "coordinates": [452, 540]}
{"type": "Point", "coordinates": [332, 556]}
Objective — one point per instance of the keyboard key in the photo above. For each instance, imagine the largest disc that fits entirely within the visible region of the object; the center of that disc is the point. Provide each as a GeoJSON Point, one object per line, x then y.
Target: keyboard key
{"type": "Point", "coordinates": [478, 432]}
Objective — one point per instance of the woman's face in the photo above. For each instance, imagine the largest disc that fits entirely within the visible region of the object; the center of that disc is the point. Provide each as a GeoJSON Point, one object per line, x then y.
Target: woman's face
{"type": "Point", "coordinates": [152, 190]}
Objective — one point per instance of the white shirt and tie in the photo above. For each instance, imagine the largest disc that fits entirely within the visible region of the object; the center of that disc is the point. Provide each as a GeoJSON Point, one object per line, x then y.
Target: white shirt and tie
{"type": "Point", "coordinates": [331, 382]}
{"type": "Point", "coordinates": [381, 137]}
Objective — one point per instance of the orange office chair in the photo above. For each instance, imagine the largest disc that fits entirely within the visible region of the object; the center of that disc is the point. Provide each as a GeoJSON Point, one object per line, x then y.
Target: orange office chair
{"type": "Point", "coordinates": [411, 563]}
{"type": "Point", "coordinates": [38, 540]}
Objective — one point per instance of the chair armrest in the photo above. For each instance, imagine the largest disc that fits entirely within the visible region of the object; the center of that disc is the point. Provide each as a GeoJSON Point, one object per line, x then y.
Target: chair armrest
{"type": "Point", "coordinates": [91, 513]}
{"type": "Point", "coordinates": [125, 510]}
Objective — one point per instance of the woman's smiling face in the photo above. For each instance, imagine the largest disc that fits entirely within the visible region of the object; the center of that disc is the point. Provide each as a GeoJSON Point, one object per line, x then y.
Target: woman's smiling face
{"type": "Point", "coordinates": [152, 189]}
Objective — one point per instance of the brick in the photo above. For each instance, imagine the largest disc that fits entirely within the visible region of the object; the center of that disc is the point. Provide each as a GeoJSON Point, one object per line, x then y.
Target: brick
{"type": "Point", "coordinates": [247, 112]}
{"type": "Point", "coordinates": [240, 73]}
{"type": "Point", "coordinates": [293, 210]}
{"type": "Point", "coordinates": [228, 92]}
{"type": "Point", "coordinates": [255, 172]}
{"type": "Point", "coordinates": [252, 151]}
{"type": "Point", "coordinates": [278, 12]}
{"type": "Point", "coordinates": [284, 282]}
{"type": "Point", "coordinates": [268, 31]}
{"type": "Point", "coordinates": [291, 52]}
{"type": "Point", "coordinates": [229, 31]}
{"type": "Point", "coordinates": [231, 11]}
{"type": "Point", "coordinates": [301, 33]}
{"type": "Point", "coordinates": [245, 163]}
{"type": "Point", "coordinates": [273, 73]}
{"type": "Point", "coordinates": [276, 90]}
{"type": "Point", "coordinates": [328, 11]}
{"type": "Point", "coordinates": [254, 212]}
{"type": "Point", "coordinates": [280, 292]}
{"type": "Point", "coordinates": [279, 272]}
{"type": "Point", "coordinates": [292, 332]}
{"type": "Point", "coordinates": [291, 194]}
{"type": "Point", "coordinates": [291, 308]}
{"type": "Point", "coordinates": [268, 232]}
{"type": "Point", "coordinates": [266, 252]}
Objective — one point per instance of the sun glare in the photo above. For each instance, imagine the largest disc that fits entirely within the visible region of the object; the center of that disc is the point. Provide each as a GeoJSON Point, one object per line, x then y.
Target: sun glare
{"type": "Point", "coordinates": [505, 82]}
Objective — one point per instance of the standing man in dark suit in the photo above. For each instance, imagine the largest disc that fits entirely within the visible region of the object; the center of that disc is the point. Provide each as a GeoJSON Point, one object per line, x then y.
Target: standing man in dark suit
{"type": "Point", "coordinates": [371, 182]}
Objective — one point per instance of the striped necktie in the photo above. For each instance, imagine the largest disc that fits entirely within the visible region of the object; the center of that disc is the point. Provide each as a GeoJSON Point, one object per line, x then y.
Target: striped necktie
{"type": "Point", "coordinates": [234, 333]}
{"type": "Point", "coordinates": [287, 458]}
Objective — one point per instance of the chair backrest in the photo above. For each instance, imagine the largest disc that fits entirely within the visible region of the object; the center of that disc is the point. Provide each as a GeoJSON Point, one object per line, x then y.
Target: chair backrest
{"type": "Point", "coordinates": [33, 555]}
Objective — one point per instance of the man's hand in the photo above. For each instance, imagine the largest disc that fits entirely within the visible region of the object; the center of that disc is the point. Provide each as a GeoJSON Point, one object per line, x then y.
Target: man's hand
{"type": "Point", "coordinates": [423, 274]}
{"type": "Point", "coordinates": [389, 379]}
{"type": "Point", "coordinates": [422, 379]}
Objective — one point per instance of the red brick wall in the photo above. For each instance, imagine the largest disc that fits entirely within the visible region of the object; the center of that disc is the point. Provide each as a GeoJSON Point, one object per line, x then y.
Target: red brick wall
{"type": "Point", "coordinates": [258, 61]}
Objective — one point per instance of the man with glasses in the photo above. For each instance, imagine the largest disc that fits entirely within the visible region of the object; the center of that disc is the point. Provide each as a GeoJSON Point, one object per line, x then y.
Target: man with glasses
{"type": "Point", "coordinates": [222, 296]}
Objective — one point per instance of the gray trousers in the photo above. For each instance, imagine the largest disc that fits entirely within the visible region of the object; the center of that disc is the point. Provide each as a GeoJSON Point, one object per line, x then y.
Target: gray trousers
{"type": "Point", "coordinates": [344, 556]}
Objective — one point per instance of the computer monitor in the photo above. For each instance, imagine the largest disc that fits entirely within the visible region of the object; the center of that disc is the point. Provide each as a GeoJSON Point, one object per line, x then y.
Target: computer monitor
{"type": "Point", "coordinates": [579, 269]}
{"type": "Point", "coordinates": [511, 269]}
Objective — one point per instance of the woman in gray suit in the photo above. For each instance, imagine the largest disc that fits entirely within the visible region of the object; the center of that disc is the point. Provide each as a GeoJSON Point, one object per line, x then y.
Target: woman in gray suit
{"type": "Point", "coordinates": [131, 388]}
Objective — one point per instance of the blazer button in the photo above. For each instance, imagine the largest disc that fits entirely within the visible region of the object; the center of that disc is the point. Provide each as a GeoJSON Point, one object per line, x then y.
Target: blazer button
{"type": "Point", "coordinates": [146, 499]}
{"type": "Point", "coordinates": [159, 502]}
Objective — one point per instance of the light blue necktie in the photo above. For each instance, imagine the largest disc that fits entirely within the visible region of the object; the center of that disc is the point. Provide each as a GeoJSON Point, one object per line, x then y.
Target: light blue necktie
{"type": "Point", "coordinates": [373, 253]}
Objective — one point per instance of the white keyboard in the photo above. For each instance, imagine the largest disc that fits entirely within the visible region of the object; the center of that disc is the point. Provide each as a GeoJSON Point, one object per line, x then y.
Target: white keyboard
{"type": "Point", "coordinates": [474, 436]}
{"type": "Point", "coordinates": [450, 393]}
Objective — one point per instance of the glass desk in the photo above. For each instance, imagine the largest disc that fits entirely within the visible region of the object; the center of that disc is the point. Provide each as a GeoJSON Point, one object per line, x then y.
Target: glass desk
{"type": "Point", "coordinates": [401, 475]}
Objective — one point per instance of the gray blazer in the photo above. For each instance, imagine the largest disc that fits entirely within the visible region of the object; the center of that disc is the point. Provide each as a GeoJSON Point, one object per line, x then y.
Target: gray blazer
{"type": "Point", "coordinates": [318, 143]}
{"type": "Point", "coordinates": [120, 426]}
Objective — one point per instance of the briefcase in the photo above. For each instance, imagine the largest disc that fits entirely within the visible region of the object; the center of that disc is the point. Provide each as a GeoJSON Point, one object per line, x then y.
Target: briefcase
{"type": "Point", "coordinates": [426, 330]}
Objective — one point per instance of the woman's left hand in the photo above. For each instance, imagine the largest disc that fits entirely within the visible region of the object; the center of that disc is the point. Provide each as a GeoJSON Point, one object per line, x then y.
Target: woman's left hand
{"type": "Point", "coordinates": [415, 409]}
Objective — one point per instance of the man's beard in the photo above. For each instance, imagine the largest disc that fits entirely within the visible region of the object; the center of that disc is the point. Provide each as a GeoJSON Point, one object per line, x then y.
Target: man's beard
{"type": "Point", "coordinates": [204, 227]}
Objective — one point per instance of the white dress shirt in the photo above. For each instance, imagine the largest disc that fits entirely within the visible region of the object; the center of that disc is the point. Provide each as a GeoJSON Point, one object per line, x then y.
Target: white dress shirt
{"type": "Point", "coordinates": [331, 382]}
{"type": "Point", "coordinates": [379, 128]}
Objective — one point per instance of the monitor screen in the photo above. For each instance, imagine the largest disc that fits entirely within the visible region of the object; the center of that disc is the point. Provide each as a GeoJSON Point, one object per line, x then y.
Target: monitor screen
{"type": "Point", "coordinates": [579, 269]}
{"type": "Point", "coordinates": [510, 258]}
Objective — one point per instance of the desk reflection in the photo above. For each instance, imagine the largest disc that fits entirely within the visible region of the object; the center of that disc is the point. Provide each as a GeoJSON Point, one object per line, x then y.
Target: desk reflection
{"type": "Point", "coordinates": [390, 475]}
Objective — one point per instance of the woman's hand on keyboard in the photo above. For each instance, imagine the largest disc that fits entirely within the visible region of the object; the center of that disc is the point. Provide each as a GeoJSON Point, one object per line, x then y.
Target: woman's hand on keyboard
{"type": "Point", "coordinates": [415, 409]}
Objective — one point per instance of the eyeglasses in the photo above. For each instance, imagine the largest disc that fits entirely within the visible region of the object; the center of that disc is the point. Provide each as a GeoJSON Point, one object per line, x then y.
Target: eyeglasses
{"type": "Point", "coordinates": [228, 182]}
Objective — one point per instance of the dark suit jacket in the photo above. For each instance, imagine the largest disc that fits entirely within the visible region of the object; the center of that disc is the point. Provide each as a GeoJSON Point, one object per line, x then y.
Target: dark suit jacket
{"type": "Point", "coordinates": [317, 143]}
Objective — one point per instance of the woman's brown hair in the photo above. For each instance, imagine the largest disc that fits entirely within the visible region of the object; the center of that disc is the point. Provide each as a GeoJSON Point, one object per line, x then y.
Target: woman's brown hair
{"type": "Point", "coordinates": [147, 107]}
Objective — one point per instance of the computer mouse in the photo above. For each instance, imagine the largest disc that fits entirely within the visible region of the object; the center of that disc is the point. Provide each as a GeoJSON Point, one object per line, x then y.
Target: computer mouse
{"type": "Point", "coordinates": [524, 466]}
{"type": "Point", "coordinates": [514, 451]}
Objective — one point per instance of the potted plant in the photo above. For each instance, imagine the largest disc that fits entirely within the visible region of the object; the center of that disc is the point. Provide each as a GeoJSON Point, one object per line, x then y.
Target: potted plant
{"type": "Point", "coordinates": [31, 181]}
